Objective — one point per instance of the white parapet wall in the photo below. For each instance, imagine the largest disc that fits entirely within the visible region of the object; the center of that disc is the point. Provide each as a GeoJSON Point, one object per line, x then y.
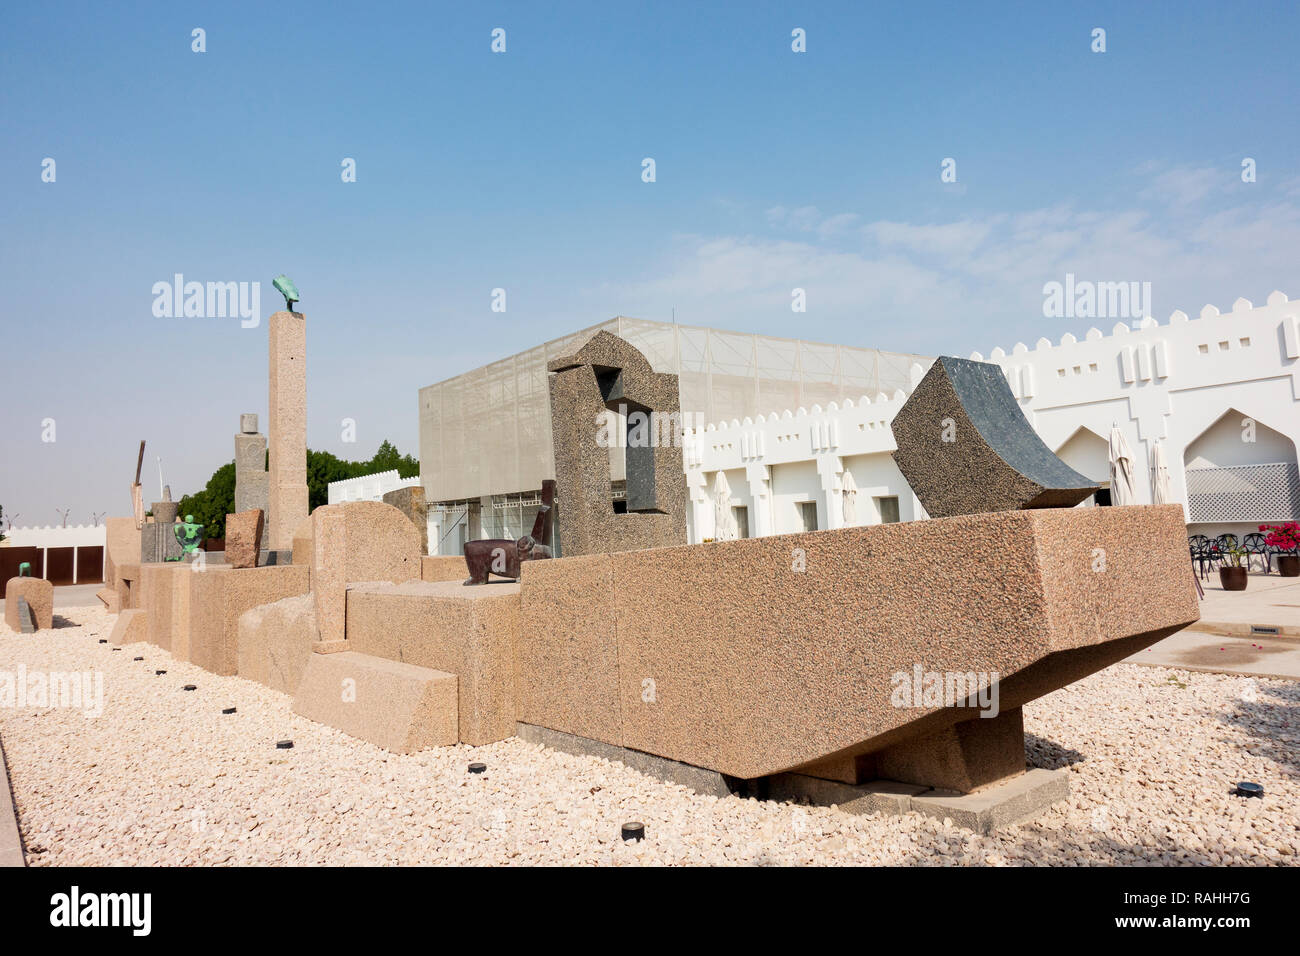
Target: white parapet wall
{"type": "Point", "coordinates": [76, 536]}
{"type": "Point", "coordinates": [369, 487]}
{"type": "Point", "coordinates": [786, 470]}
{"type": "Point", "coordinates": [1221, 393]}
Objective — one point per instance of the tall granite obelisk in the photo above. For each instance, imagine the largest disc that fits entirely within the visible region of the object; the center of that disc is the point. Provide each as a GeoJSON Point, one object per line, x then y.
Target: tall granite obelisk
{"type": "Point", "coordinates": [288, 428]}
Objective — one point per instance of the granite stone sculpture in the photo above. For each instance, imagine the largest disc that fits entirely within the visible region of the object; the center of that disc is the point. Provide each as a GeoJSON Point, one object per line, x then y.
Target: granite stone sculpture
{"type": "Point", "coordinates": [965, 446]}
{"type": "Point", "coordinates": [251, 488]}
{"type": "Point", "coordinates": [502, 556]}
{"type": "Point", "coordinates": [609, 375]}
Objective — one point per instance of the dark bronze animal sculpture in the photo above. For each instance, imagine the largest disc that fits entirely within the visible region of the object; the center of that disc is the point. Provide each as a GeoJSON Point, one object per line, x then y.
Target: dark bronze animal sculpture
{"type": "Point", "coordinates": [502, 556]}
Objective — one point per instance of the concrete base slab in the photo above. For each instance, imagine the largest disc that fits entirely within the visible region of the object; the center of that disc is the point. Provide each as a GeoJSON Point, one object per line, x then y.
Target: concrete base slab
{"type": "Point", "coordinates": [1001, 805]}
{"type": "Point", "coordinates": [696, 778]}
{"type": "Point", "coordinates": [880, 796]}
{"type": "Point", "coordinates": [400, 707]}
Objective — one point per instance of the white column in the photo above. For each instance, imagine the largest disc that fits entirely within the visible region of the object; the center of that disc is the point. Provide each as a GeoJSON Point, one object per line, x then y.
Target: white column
{"type": "Point", "coordinates": [829, 467]}
{"type": "Point", "coordinates": [759, 477]}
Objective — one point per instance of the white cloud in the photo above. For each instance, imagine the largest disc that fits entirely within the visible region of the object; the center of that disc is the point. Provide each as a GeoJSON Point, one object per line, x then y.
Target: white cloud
{"type": "Point", "coordinates": [975, 282]}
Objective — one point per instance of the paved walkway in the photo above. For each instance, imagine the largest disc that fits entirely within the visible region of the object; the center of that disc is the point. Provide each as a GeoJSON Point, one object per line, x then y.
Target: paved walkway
{"type": "Point", "coordinates": [1269, 601]}
{"type": "Point", "coordinates": [11, 842]}
{"type": "Point", "coordinates": [1249, 656]}
{"type": "Point", "coordinates": [68, 595]}
{"type": "Point", "coordinates": [1228, 639]}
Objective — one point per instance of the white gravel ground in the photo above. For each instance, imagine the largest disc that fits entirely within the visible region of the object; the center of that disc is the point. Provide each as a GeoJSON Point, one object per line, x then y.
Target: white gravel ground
{"type": "Point", "coordinates": [162, 777]}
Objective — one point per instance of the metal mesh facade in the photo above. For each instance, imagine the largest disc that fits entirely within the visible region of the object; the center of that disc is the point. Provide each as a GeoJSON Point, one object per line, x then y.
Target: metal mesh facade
{"type": "Point", "coordinates": [488, 432]}
{"type": "Point", "coordinates": [1244, 493]}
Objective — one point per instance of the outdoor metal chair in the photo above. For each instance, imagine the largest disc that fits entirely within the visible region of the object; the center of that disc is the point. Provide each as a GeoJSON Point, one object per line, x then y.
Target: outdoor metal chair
{"type": "Point", "coordinates": [1254, 545]}
{"type": "Point", "coordinates": [1202, 551]}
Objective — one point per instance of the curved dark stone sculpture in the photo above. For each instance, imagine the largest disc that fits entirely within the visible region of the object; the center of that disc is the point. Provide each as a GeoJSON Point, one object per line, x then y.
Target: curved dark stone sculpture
{"type": "Point", "coordinates": [965, 446]}
{"type": "Point", "coordinates": [502, 556]}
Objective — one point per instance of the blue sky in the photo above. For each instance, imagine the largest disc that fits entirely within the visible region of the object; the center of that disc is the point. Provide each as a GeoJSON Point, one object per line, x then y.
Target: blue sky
{"type": "Point", "coordinates": [522, 170]}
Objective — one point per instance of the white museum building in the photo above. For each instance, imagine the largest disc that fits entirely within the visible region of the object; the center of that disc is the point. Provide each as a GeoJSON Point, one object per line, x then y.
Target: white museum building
{"type": "Point", "coordinates": [1220, 392]}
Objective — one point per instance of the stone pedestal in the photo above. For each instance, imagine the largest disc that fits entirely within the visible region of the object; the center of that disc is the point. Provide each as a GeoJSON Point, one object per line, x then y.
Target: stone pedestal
{"type": "Point", "coordinates": [158, 542]}
{"type": "Point", "coordinates": [287, 495]}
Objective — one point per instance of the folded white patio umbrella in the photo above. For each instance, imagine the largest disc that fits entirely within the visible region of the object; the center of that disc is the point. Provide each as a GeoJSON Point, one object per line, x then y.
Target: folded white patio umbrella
{"type": "Point", "coordinates": [1161, 493]}
{"type": "Point", "coordinates": [850, 490]}
{"type": "Point", "coordinates": [1122, 489]}
{"type": "Point", "coordinates": [724, 522]}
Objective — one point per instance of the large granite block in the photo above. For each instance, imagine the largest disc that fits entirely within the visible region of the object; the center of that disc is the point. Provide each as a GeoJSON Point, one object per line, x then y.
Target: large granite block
{"type": "Point", "coordinates": [219, 595]}
{"type": "Point", "coordinates": [730, 658]}
{"type": "Point", "coordinates": [443, 567]}
{"type": "Point", "coordinates": [400, 707]}
{"type": "Point", "coordinates": [355, 541]}
{"type": "Point", "coordinates": [275, 642]}
{"type": "Point", "coordinates": [568, 652]}
{"type": "Point", "coordinates": [410, 502]}
{"type": "Point", "coordinates": [39, 595]}
{"type": "Point", "coordinates": [467, 631]}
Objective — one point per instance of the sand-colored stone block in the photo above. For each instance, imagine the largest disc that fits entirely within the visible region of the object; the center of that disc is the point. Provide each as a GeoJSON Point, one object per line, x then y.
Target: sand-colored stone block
{"type": "Point", "coordinates": [243, 538]}
{"type": "Point", "coordinates": [128, 585]}
{"type": "Point", "coordinates": [467, 631]}
{"type": "Point", "coordinates": [400, 707]}
{"type": "Point", "coordinates": [568, 670]}
{"type": "Point", "coordinates": [131, 627]}
{"type": "Point", "coordinates": [220, 594]}
{"type": "Point", "coordinates": [275, 641]}
{"type": "Point", "coordinates": [108, 596]}
{"type": "Point", "coordinates": [303, 544]}
{"type": "Point", "coordinates": [156, 582]}
{"type": "Point", "coordinates": [164, 593]}
{"type": "Point", "coordinates": [357, 541]}
{"type": "Point", "coordinates": [410, 502]}
{"type": "Point", "coordinates": [329, 572]}
{"type": "Point", "coordinates": [732, 658]}
{"type": "Point", "coordinates": [39, 595]}
{"type": "Point", "coordinates": [443, 567]}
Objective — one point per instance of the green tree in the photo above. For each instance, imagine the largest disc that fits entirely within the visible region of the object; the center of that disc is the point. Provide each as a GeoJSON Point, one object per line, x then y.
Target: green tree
{"type": "Point", "coordinates": [388, 458]}
{"type": "Point", "coordinates": [211, 505]}
{"type": "Point", "coordinates": [2, 526]}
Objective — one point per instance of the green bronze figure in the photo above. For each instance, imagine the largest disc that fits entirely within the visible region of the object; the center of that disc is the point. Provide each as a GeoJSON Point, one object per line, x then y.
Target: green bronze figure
{"type": "Point", "coordinates": [287, 289]}
{"type": "Point", "coordinates": [190, 536]}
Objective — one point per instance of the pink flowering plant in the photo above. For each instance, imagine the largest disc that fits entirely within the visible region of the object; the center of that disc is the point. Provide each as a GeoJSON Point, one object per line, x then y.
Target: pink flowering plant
{"type": "Point", "coordinates": [1283, 537]}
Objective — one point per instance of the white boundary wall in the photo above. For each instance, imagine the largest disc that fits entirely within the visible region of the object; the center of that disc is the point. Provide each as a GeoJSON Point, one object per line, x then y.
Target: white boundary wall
{"type": "Point", "coordinates": [1171, 382]}
{"type": "Point", "coordinates": [369, 487]}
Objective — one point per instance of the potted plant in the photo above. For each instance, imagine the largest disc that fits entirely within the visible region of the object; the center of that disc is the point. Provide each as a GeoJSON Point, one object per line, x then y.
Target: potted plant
{"type": "Point", "coordinates": [1286, 539]}
{"type": "Point", "coordinates": [1232, 574]}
